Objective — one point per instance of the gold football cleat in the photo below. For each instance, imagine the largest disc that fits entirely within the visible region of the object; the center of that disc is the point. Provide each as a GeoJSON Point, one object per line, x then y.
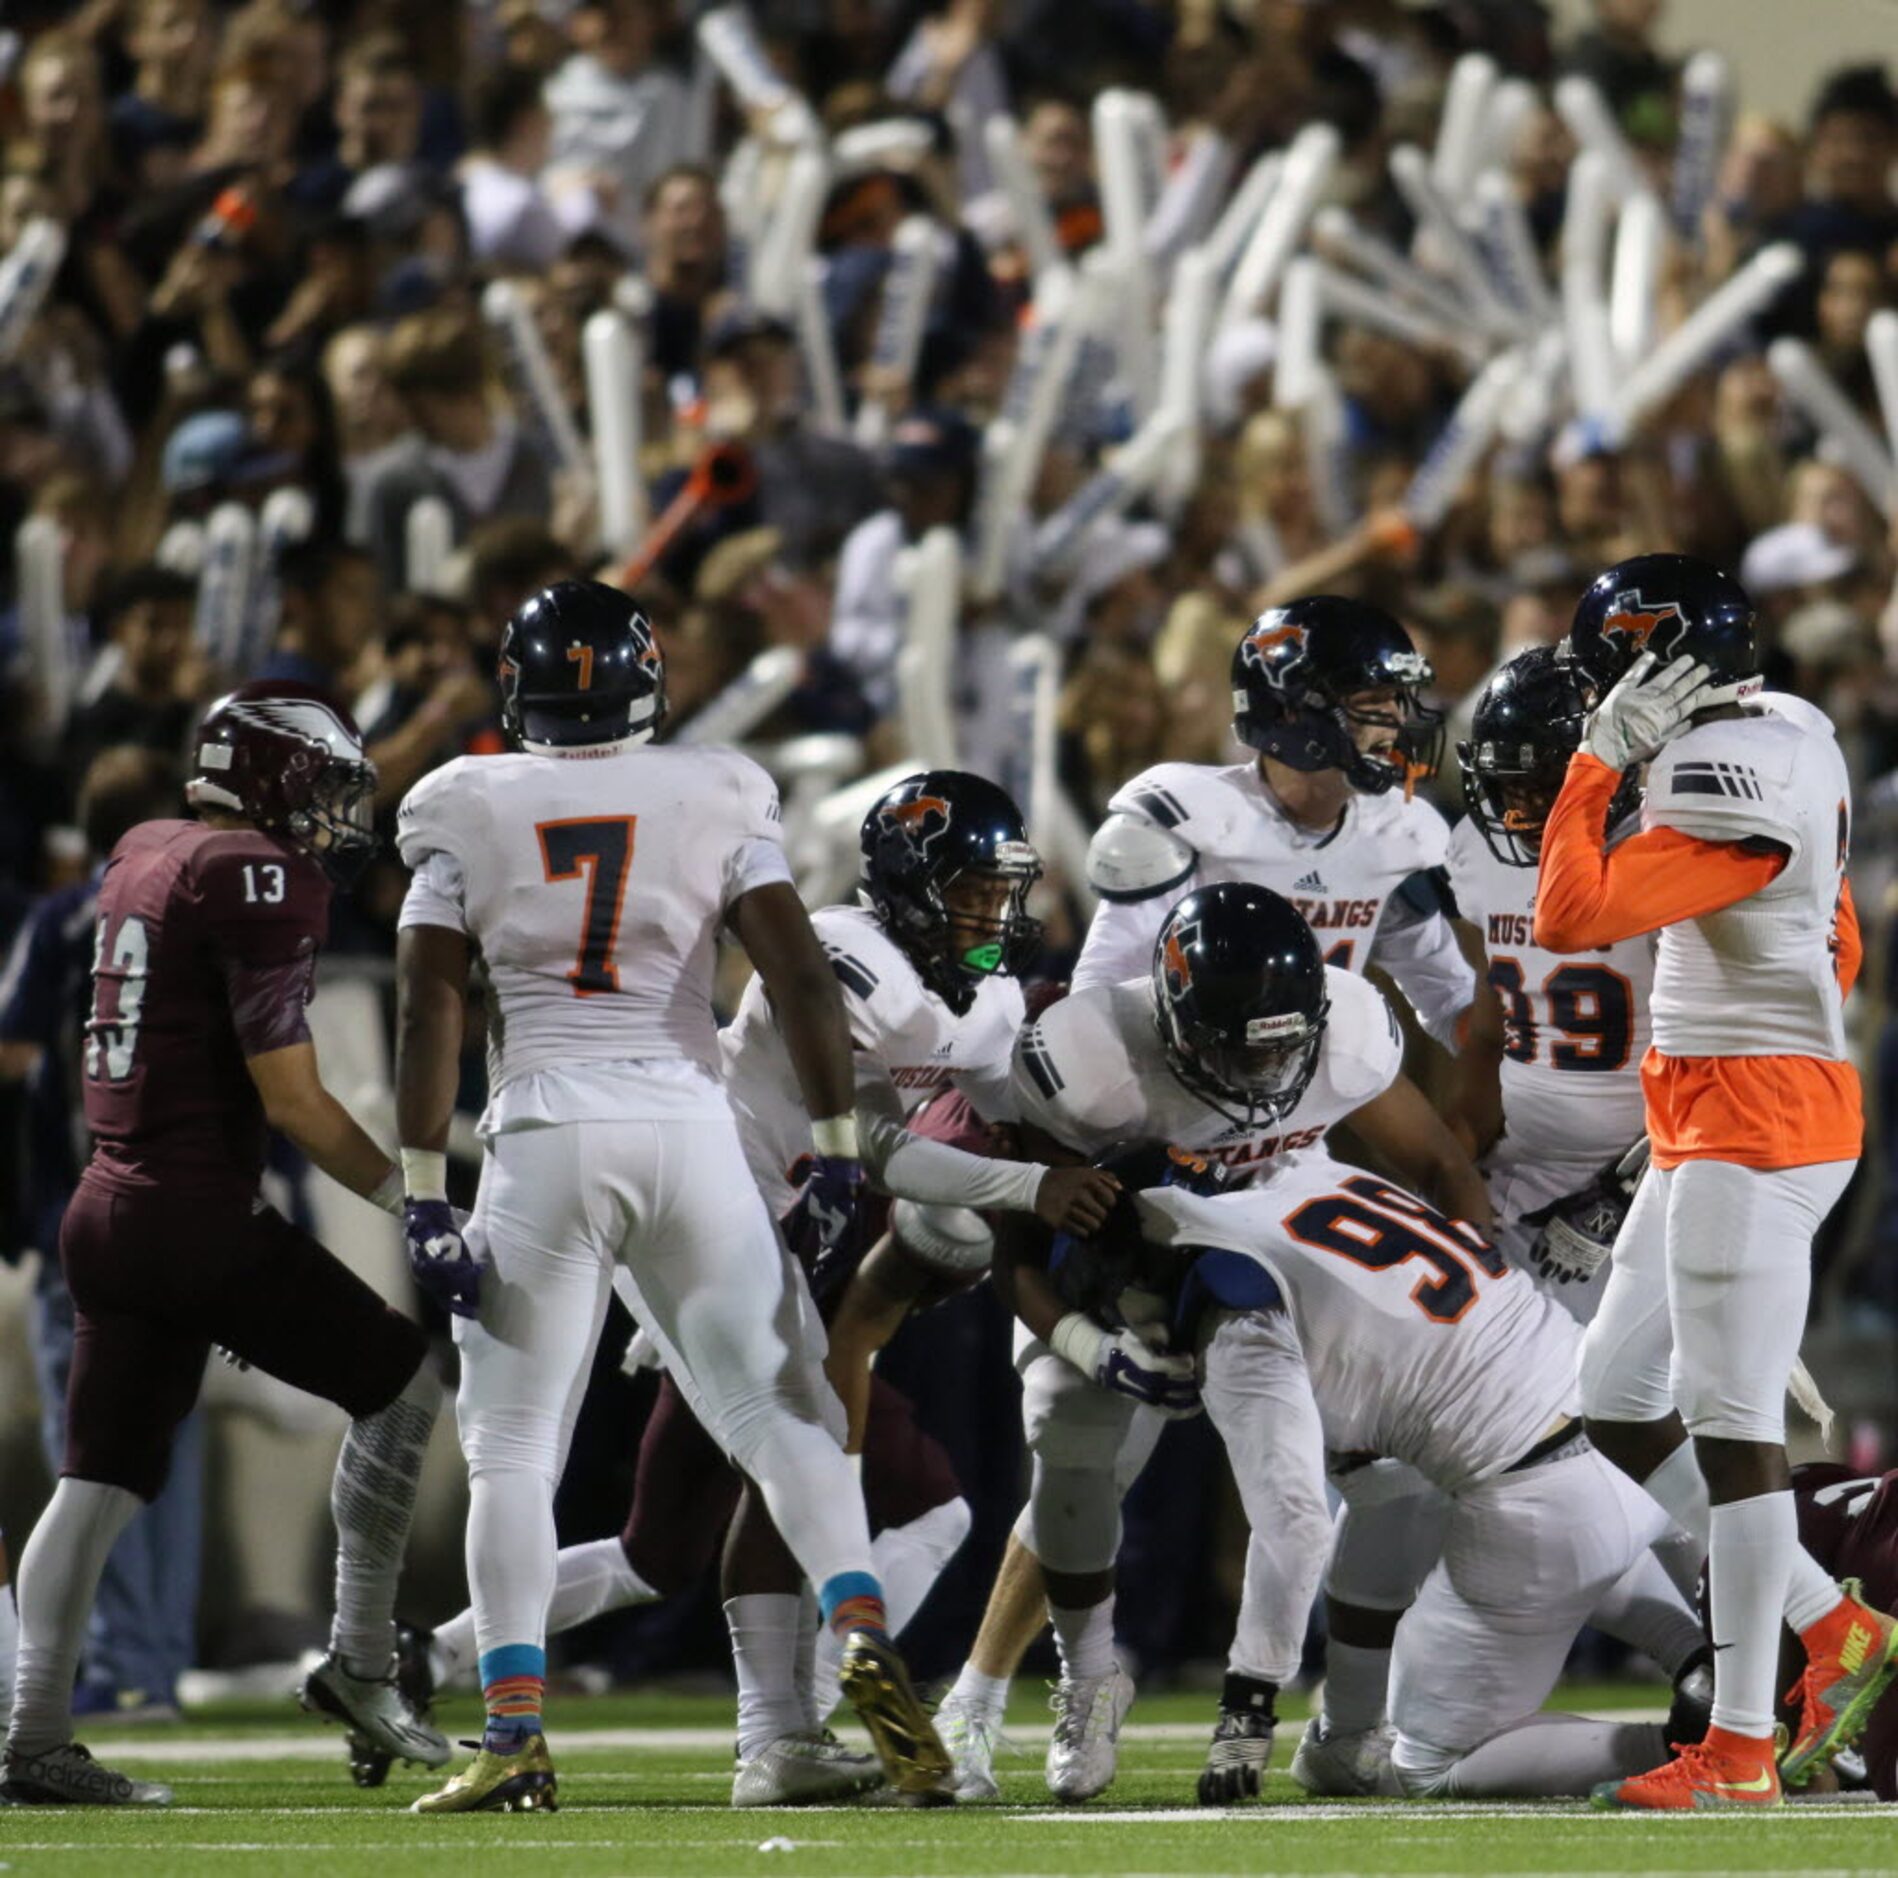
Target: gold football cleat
{"type": "Point", "coordinates": [877, 1686]}
{"type": "Point", "coordinates": [521, 1782]}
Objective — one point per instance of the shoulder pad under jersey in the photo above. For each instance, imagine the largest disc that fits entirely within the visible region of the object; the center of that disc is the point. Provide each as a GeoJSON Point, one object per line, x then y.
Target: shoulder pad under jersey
{"type": "Point", "coordinates": [1729, 779]}
{"type": "Point", "coordinates": [426, 822]}
{"type": "Point", "coordinates": [1134, 859]}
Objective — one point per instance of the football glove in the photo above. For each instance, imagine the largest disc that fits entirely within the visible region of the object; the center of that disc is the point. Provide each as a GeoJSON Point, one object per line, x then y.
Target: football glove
{"type": "Point", "coordinates": [831, 1206]}
{"type": "Point", "coordinates": [1119, 1360]}
{"type": "Point", "coordinates": [443, 1267]}
{"type": "Point", "coordinates": [1646, 708]}
{"type": "Point", "coordinates": [1578, 1231]}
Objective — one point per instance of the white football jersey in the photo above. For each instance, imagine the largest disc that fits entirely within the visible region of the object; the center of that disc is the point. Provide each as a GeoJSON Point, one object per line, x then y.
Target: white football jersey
{"type": "Point", "coordinates": [1758, 978]}
{"type": "Point", "coordinates": [904, 1035]}
{"type": "Point", "coordinates": [1421, 1343]}
{"type": "Point", "coordinates": [1091, 1072]}
{"type": "Point", "coordinates": [1576, 1026]}
{"type": "Point", "coordinates": [594, 888]}
{"type": "Point", "coordinates": [1345, 883]}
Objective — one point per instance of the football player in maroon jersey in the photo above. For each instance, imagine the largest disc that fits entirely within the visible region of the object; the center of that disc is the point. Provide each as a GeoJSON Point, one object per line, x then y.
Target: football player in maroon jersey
{"type": "Point", "coordinates": [197, 1046]}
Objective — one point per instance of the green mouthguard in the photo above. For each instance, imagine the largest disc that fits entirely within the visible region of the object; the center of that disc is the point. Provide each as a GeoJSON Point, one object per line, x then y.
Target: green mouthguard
{"type": "Point", "coordinates": [986, 958]}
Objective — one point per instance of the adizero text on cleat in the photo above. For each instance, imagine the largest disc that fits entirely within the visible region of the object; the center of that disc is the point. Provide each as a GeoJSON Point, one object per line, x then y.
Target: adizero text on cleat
{"type": "Point", "coordinates": [68, 1776]}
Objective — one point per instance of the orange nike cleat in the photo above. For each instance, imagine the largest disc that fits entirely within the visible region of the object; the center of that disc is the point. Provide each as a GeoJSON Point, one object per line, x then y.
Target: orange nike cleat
{"type": "Point", "coordinates": [1724, 1770]}
{"type": "Point", "coordinates": [1851, 1658]}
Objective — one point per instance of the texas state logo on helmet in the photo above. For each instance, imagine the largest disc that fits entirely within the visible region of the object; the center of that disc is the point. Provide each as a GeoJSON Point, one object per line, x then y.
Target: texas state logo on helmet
{"type": "Point", "coordinates": [1674, 606]}
{"type": "Point", "coordinates": [918, 824]}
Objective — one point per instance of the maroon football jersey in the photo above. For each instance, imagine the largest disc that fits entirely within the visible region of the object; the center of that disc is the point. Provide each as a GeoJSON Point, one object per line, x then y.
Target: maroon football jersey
{"type": "Point", "coordinates": [205, 955]}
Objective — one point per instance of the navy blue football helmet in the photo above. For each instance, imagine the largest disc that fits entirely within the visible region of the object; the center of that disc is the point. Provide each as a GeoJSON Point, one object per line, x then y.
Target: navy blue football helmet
{"type": "Point", "coordinates": [1527, 724]}
{"type": "Point", "coordinates": [922, 837]}
{"type": "Point", "coordinates": [1239, 996]}
{"type": "Point", "coordinates": [1298, 679]}
{"type": "Point", "coordinates": [579, 665]}
{"type": "Point", "coordinates": [1675, 606]}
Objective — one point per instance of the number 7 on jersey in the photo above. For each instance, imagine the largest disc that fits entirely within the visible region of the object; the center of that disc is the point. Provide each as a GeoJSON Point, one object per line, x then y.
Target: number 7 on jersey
{"type": "Point", "coordinates": [600, 849]}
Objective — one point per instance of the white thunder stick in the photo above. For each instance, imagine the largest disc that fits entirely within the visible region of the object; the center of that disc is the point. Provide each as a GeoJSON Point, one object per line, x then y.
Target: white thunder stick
{"type": "Point", "coordinates": [26, 277]}
{"type": "Point", "coordinates": [1460, 446]}
{"type": "Point", "coordinates": [40, 556]}
{"type": "Point", "coordinates": [908, 287]}
{"type": "Point", "coordinates": [1846, 438]}
{"type": "Point", "coordinates": [1460, 130]}
{"type": "Point", "coordinates": [1511, 104]}
{"type": "Point", "coordinates": [288, 516]}
{"type": "Point", "coordinates": [1881, 347]}
{"type": "Point", "coordinates": [1591, 350]}
{"type": "Point", "coordinates": [1640, 245]}
{"type": "Point", "coordinates": [1308, 167]}
{"type": "Point", "coordinates": [1508, 249]}
{"type": "Point", "coordinates": [1706, 112]}
{"type": "Point", "coordinates": [1034, 663]}
{"type": "Point", "coordinates": [428, 539]}
{"type": "Point", "coordinates": [224, 584]}
{"type": "Point", "coordinates": [818, 350]}
{"type": "Point", "coordinates": [533, 373]}
{"type": "Point", "coordinates": [1341, 237]}
{"type": "Point", "coordinates": [610, 346]}
{"type": "Point", "coordinates": [1580, 105]}
{"type": "Point", "coordinates": [1128, 474]}
{"type": "Point", "coordinates": [1243, 211]}
{"type": "Point", "coordinates": [1300, 328]}
{"type": "Point", "coordinates": [181, 548]}
{"type": "Point", "coordinates": [730, 40]}
{"type": "Point", "coordinates": [1124, 209]}
{"type": "Point", "coordinates": [1190, 200]}
{"type": "Point", "coordinates": [1034, 226]}
{"type": "Point", "coordinates": [929, 576]}
{"type": "Point", "coordinates": [994, 511]}
{"type": "Point", "coordinates": [1704, 330]}
{"type": "Point", "coordinates": [1351, 299]}
{"type": "Point", "coordinates": [1439, 233]}
{"type": "Point", "coordinates": [1328, 453]}
{"type": "Point", "coordinates": [748, 700]}
{"type": "Point", "coordinates": [790, 234]}
{"type": "Point", "coordinates": [1186, 331]}
{"type": "Point", "coordinates": [1530, 410]}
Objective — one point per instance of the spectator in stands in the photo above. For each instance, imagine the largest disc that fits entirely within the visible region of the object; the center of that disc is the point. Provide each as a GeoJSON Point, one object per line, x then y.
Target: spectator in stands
{"type": "Point", "coordinates": [508, 562]}
{"type": "Point", "coordinates": [511, 221]}
{"type": "Point", "coordinates": [684, 263]}
{"type": "Point", "coordinates": [368, 413]}
{"type": "Point", "coordinates": [173, 47]}
{"type": "Point", "coordinates": [151, 699]}
{"type": "Point", "coordinates": [378, 121]}
{"type": "Point", "coordinates": [331, 603]}
{"type": "Point", "coordinates": [1618, 53]}
{"type": "Point", "coordinates": [1851, 144]}
{"type": "Point", "coordinates": [430, 697]}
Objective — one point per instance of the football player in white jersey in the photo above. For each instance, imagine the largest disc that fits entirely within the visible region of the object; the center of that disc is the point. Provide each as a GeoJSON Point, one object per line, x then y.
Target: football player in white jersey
{"type": "Point", "coordinates": [1555, 1103]}
{"type": "Point", "coordinates": [1239, 1044]}
{"type": "Point", "coordinates": [593, 872]}
{"type": "Point", "coordinates": [1422, 1344]}
{"type": "Point", "coordinates": [928, 969]}
{"type": "Point", "coordinates": [1753, 1113]}
{"type": "Point", "coordinates": [1325, 690]}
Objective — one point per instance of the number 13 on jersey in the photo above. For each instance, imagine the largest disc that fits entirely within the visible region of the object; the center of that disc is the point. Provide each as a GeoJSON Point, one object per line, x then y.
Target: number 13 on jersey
{"type": "Point", "coordinates": [598, 850]}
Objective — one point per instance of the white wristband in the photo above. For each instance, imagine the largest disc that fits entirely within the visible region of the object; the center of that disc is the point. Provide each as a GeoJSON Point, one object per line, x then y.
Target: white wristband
{"type": "Point", "coordinates": [835, 1137]}
{"type": "Point", "coordinates": [387, 1193]}
{"type": "Point", "coordinates": [424, 1174]}
{"type": "Point", "coordinates": [1079, 1341]}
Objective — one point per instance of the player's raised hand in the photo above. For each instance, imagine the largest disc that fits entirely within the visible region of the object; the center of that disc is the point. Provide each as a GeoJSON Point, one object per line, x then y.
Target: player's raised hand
{"type": "Point", "coordinates": [1648, 705]}
{"type": "Point", "coordinates": [831, 1206]}
{"type": "Point", "coordinates": [1076, 1199]}
{"type": "Point", "coordinates": [439, 1258]}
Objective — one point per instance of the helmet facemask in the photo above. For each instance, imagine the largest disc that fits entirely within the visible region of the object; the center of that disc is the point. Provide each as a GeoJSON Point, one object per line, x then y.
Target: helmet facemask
{"type": "Point", "coordinates": [972, 926]}
{"type": "Point", "coordinates": [1510, 789]}
{"type": "Point", "coordinates": [336, 827]}
{"type": "Point", "coordinates": [1404, 735]}
{"type": "Point", "coordinates": [1265, 1070]}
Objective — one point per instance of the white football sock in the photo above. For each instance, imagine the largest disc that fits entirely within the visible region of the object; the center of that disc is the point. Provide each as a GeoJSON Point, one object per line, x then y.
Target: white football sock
{"type": "Point", "coordinates": [510, 1552]}
{"type": "Point", "coordinates": [1811, 1590]}
{"type": "Point", "coordinates": [58, 1574]}
{"type": "Point", "coordinates": [372, 1500]}
{"type": "Point", "coordinates": [983, 1696]}
{"type": "Point", "coordinates": [1680, 1487]}
{"type": "Point", "coordinates": [1085, 1639]}
{"type": "Point", "coordinates": [590, 1580]}
{"type": "Point", "coordinates": [907, 1560]}
{"type": "Point", "coordinates": [1554, 1755]}
{"type": "Point", "coordinates": [1357, 1686]}
{"type": "Point", "coordinates": [1749, 1562]}
{"type": "Point", "coordinates": [764, 1627]}
{"type": "Point", "coordinates": [9, 1649]}
{"type": "Point", "coordinates": [451, 1651]}
{"type": "Point", "coordinates": [1643, 1608]}
{"type": "Point", "coordinates": [1683, 1557]}
{"type": "Point", "coordinates": [812, 1634]}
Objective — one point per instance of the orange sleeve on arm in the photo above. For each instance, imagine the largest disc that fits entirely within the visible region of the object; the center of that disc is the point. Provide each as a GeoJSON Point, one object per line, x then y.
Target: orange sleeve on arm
{"type": "Point", "coordinates": [1587, 898]}
{"type": "Point", "coordinates": [1851, 952]}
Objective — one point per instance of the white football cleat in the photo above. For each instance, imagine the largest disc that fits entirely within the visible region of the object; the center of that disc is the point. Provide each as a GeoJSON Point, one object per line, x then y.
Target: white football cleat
{"type": "Point", "coordinates": [68, 1776]}
{"type": "Point", "coordinates": [1085, 1749]}
{"type": "Point", "coordinates": [380, 1718]}
{"type": "Point", "coordinates": [804, 1769]}
{"type": "Point", "coordinates": [1345, 1765]}
{"type": "Point", "coordinates": [971, 1738]}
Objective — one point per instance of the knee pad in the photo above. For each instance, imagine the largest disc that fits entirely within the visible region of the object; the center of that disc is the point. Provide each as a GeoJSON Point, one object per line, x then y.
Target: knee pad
{"type": "Point", "coordinates": [1388, 1535]}
{"type": "Point", "coordinates": [1072, 1519]}
{"type": "Point", "coordinates": [513, 1441]}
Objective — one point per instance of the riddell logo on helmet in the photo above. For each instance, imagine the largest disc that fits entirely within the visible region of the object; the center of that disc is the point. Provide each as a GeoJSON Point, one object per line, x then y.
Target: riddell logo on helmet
{"type": "Point", "coordinates": [921, 822]}
{"type": "Point", "coordinates": [1177, 966]}
{"type": "Point", "coordinates": [1636, 623]}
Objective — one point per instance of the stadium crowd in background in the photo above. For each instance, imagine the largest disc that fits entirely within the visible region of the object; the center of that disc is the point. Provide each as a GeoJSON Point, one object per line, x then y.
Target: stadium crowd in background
{"type": "Point", "coordinates": [950, 349]}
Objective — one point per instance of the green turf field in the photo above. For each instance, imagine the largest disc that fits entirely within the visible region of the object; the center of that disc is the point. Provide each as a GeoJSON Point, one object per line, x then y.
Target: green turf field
{"type": "Point", "coordinates": [644, 1783]}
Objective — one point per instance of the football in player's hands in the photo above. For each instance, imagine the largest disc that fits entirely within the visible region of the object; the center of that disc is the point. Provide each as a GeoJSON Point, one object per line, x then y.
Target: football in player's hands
{"type": "Point", "coordinates": [831, 1206]}
{"type": "Point", "coordinates": [1076, 1199]}
{"type": "Point", "coordinates": [1648, 705]}
{"type": "Point", "coordinates": [439, 1258]}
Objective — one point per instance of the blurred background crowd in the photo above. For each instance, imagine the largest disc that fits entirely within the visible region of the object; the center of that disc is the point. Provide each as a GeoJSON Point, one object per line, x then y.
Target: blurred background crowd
{"type": "Point", "coordinates": [952, 382]}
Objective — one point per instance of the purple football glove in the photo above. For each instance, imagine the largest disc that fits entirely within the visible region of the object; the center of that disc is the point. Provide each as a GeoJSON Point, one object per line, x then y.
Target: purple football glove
{"type": "Point", "coordinates": [830, 1206]}
{"type": "Point", "coordinates": [443, 1266]}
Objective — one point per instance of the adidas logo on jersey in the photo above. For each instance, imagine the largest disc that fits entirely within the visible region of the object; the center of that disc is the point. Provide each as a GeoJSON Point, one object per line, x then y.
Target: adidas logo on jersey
{"type": "Point", "coordinates": [1314, 882]}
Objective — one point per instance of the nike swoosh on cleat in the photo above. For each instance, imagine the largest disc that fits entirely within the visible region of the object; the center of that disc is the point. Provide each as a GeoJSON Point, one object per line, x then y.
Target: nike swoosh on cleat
{"type": "Point", "coordinates": [1761, 1783]}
